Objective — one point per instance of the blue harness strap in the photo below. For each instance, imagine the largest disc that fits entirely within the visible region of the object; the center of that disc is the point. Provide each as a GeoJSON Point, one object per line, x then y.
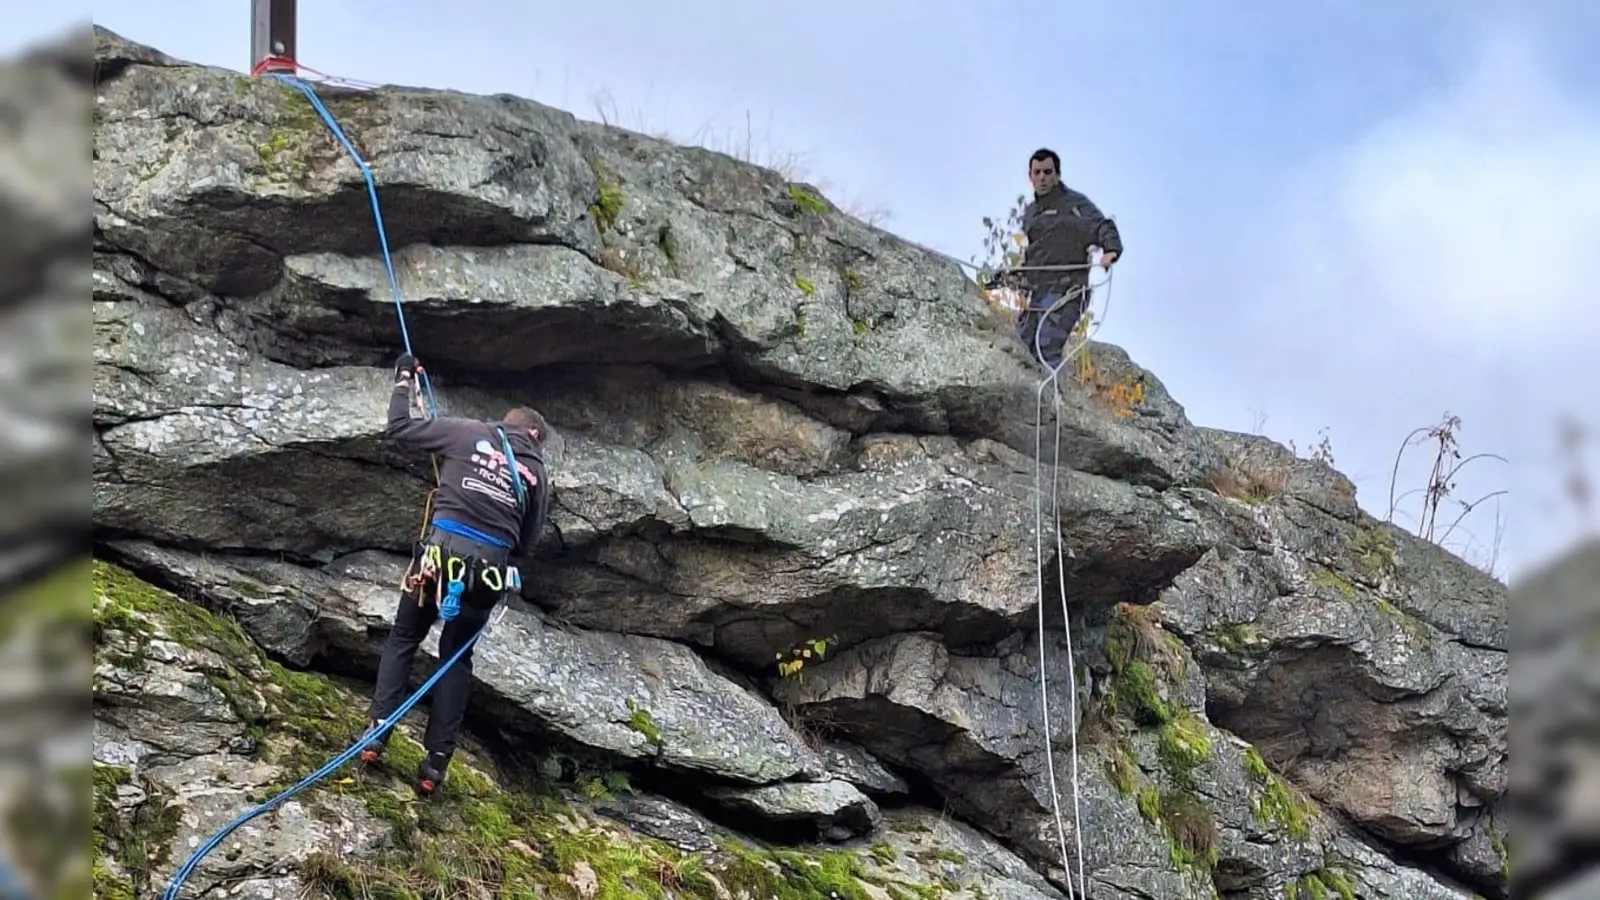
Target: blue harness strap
{"type": "Point", "coordinates": [461, 529]}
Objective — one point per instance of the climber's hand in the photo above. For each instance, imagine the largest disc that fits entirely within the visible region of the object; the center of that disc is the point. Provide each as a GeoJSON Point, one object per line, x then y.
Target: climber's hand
{"type": "Point", "coordinates": [406, 369]}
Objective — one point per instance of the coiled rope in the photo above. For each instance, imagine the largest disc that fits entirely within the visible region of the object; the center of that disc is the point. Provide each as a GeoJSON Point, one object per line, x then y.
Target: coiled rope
{"type": "Point", "coordinates": [432, 411]}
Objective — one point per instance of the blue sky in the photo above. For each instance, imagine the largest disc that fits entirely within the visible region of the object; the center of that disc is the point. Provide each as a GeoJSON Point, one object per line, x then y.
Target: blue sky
{"type": "Point", "coordinates": [1339, 214]}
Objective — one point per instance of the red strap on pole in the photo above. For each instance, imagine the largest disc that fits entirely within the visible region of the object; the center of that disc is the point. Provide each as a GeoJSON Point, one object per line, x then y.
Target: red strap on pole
{"type": "Point", "coordinates": [274, 64]}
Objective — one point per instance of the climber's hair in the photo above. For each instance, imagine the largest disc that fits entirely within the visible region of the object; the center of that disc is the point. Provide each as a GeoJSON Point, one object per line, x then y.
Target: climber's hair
{"type": "Point", "coordinates": [526, 417]}
{"type": "Point", "coordinates": [1045, 153]}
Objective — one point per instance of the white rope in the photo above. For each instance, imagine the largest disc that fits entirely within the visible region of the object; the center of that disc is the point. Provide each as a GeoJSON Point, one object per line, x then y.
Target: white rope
{"type": "Point", "coordinates": [1051, 381]}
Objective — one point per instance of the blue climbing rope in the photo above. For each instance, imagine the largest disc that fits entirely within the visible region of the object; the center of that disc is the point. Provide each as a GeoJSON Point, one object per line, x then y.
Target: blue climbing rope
{"type": "Point", "coordinates": [339, 761]}
{"type": "Point", "coordinates": [377, 215]}
{"type": "Point", "coordinates": [332, 766]}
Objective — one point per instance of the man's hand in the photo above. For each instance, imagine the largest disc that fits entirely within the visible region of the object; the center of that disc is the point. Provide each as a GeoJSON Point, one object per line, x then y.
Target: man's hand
{"type": "Point", "coordinates": [406, 369]}
{"type": "Point", "coordinates": [1107, 258]}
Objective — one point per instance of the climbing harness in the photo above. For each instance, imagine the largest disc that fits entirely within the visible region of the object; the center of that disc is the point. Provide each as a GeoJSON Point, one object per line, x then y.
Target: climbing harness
{"type": "Point", "coordinates": [378, 733]}
{"type": "Point", "coordinates": [461, 574]}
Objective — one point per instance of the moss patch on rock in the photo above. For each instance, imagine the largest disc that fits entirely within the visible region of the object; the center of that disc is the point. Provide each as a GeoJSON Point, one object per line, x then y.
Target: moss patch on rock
{"type": "Point", "coordinates": [1276, 801]}
{"type": "Point", "coordinates": [129, 845]}
{"type": "Point", "coordinates": [485, 833]}
{"type": "Point", "coordinates": [1323, 884]}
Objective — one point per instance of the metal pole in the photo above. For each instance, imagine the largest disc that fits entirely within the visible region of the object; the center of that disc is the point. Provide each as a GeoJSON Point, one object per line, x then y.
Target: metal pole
{"type": "Point", "coordinates": [272, 30]}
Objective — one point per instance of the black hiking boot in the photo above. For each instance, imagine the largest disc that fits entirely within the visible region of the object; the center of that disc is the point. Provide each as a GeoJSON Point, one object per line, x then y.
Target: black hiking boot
{"type": "Point", "coordinates": [372, 753]}
{"type": "Point", "coordinates": [430, 773]}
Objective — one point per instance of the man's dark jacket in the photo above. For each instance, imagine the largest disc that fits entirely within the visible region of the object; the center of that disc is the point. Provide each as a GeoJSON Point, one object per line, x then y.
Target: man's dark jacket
{"type": "Point", "coordinates": [475, 485]}
{"type": "Point", "coordinates": [1061, 227]}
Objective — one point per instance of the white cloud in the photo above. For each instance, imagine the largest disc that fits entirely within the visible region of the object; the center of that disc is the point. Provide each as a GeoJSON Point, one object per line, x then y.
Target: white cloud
{"type": "Point", "coordinates": [1481, 208]}
{"type": "Point", "coordinates": [1448, 258]}
{"type": "Point", "coordinates": [1470, 219]}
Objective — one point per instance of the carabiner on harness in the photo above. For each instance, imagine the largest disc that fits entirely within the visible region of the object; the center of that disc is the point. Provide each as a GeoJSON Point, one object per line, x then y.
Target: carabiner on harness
{"type": "Point", "coordinates": [450, 603]}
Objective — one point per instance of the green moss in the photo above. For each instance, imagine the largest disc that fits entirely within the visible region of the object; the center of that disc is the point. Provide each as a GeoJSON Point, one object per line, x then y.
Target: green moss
{"type": "Point", "coordinates": [247, 589]}
{"type": "Point", "coordinates": [1191, 830]}
{"type": "Point", "coordinates": [640, 720]}
{"type": "Point", "coordinates": [1183, 745]}
{"type": "Point", "coordinates": [482, 835]}
{"type": "Point", "coordinates": [884, 853]}
{"type": "Point", "coordinates": [1255, 765]}
{"type": "Point", "coordinates": [1122, 770]}
{"type": "Point", "coordinates": [805, 286]}
{"type": "Point", "coordinates": [851, 278]}
{"type": "Point", "coordinates": [1374, 546]}
{"type": "Point", "coordinates": [607, 207]}
{"type": "Point", "coordinates": [1277, 803]}
{"type": "Point", "coordinates": [807, 200]}
{"type": "Point", "coordinates": [1323, 884]}
{"type": "Point", "coordinates": [859, 327]}
{"type": "Point", "coordinates": [1238, 637]}
{"type": "Point", "coordinates": [800, 321]}
{"type": "Point", "coordinates": [48, 604]}
{"type": "Point", "coordinates": [939, 855]}
{"type": "Point", "coordinates": [786, 875]}
{"type": "Point", "coordinates": [138, 841]}
{"type": "Point", "coordinates": [1501, 847]}
{"type": "Point", "coordinates": [1329, 580]}
{"type": "Point", "coordinates": [283, 155]}
{"type": "Point", "coordinates": [1149, 802]}
{"type": "Point", "coordinates": [1138, 695]}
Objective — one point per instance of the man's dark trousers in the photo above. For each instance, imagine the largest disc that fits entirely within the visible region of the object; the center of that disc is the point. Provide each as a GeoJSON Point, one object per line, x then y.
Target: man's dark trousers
{"type": "Point", "coordinates": [411, 623]}
{"type": "Point", "coordinates": [1052, 331]}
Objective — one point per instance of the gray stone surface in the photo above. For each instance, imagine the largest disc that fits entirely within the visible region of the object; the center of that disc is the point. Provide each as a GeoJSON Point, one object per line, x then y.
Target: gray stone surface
{"type": "Point", "coordinates": [777, 425]}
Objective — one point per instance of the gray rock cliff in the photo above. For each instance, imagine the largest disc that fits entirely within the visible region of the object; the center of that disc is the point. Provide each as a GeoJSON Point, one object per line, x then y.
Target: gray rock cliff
{"type": "Point", "coordinates": [779, 426]}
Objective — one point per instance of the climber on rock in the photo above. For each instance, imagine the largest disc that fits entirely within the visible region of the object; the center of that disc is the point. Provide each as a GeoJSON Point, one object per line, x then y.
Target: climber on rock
{"type": "Point", "coordinates": [490, 509]}
{"type": "Point", "coordinates": [1061, 225]}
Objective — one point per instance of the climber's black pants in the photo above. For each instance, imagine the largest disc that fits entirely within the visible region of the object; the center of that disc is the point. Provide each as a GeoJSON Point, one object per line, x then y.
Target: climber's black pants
{"type": "Point", "coordinates": [1052, 330]}
{"type": "Point", "coordinates": [412, 619]}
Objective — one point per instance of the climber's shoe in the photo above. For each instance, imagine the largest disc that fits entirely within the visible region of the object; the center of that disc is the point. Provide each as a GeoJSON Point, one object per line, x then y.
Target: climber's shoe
{"type": "Point", "coordinates": [430, 773]}
{"type": "Point", "coordinates": [373, 752]}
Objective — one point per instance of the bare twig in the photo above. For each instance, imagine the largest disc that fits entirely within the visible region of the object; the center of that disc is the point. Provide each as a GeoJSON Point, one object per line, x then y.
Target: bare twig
{"type": "Point", "coordinates": [1447, 465]}
{"type": "Point", "coordinates": [1466, 510]}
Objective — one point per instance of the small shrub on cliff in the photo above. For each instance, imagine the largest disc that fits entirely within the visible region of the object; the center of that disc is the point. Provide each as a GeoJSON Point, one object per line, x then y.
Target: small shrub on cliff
{"type": "Point", "coordinates": [1438, 491]}
{"type": "Point", "coordinates": [791, 661]}
{"type": "Point", "coordinates": [1253, 482]}
{"type": "Point", "coordinates": [1118, 396]}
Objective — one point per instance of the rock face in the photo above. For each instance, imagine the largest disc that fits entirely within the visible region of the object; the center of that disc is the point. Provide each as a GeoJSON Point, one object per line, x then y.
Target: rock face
{"type": "Point", "coordinates": [783, 434]}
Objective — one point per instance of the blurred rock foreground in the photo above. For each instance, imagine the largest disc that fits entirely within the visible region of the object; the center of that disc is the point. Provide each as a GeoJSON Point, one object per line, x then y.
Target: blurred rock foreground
{"type": "Point", "coordinates": [779, 426]}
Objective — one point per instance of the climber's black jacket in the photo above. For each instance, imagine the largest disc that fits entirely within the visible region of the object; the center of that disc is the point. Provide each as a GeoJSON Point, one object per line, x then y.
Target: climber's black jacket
{"type": "Point", "coordinates": [475, 487]}
{"type": "Point", "coordinates": [1061, 227]}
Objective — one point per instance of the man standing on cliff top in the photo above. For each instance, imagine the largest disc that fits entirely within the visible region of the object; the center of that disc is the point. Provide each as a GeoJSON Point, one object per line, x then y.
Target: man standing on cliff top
{"type": "Point", "coordinates": [1061, 225]}
{"type": "Point", "coordinates": [491, 506]}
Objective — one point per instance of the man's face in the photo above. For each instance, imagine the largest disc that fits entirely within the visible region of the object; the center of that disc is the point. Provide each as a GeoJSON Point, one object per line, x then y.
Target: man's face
{"type": "Point", "coordinates": [1043, 174]}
